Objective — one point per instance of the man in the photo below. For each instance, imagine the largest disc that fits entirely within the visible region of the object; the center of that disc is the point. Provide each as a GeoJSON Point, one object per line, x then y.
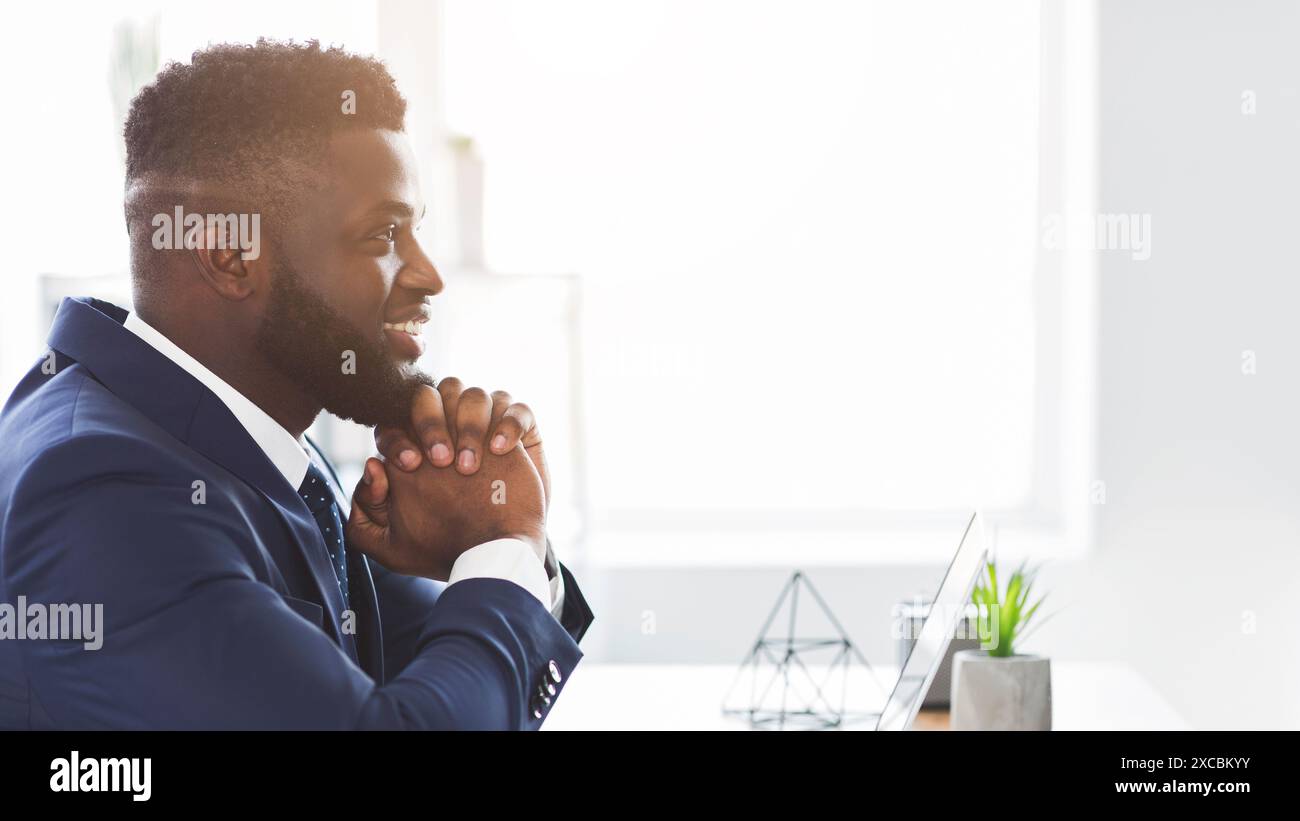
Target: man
{"type": "Point", "coordinates": [155, 466]}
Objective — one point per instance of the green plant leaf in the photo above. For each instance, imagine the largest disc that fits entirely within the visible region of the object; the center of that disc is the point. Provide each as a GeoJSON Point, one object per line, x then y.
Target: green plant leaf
{"type": "Point", "coordinates": [1030, 613]}
{"type": "Point", "coordinates": [1014, 608]}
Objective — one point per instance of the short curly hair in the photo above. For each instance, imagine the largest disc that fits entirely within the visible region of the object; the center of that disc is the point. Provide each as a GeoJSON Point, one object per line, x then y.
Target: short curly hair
{"type": "Point", "coordinates": [258, 117]}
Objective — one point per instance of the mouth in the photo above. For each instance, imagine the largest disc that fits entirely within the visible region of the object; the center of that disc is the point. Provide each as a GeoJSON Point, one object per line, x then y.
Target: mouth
{"type": "Point", "coordinates": [411, 326]}
{"type": "Point", "coordinates": [405, 337]}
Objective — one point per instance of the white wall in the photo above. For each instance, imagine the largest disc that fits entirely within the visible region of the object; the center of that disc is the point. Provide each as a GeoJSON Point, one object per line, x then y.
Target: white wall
{"type": "Point", "coordinates": [1198, 543]}
{"type": "Point", "coordinates": [1201, 529]}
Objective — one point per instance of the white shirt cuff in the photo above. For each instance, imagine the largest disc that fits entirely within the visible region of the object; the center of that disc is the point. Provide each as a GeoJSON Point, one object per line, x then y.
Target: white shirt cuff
{"type": "Point", "coordinates": [552, 565]}
{"type": "Point", "coordinates": [508, 559]}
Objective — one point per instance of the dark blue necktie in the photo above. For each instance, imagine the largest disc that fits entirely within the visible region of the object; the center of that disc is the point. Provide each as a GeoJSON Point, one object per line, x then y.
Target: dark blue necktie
{"type": "Point", "coordinates": [319, 496]}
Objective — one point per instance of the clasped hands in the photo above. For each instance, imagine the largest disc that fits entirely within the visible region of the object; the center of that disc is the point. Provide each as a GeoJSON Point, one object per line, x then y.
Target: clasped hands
{"type": "Point", "coordinates": [469, 470]}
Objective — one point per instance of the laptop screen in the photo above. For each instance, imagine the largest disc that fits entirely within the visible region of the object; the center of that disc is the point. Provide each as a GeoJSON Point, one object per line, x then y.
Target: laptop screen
{"type": "Point", "coordinates": [946, 610]}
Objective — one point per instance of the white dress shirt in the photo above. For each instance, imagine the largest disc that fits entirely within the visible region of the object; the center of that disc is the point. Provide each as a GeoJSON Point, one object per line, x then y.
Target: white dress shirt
{"type": "Point", "coordinates": [509, 559]}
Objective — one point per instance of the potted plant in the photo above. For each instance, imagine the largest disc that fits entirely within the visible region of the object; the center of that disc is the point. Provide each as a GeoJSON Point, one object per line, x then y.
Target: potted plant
{"type": "Point", "coordinates": [995, 687]}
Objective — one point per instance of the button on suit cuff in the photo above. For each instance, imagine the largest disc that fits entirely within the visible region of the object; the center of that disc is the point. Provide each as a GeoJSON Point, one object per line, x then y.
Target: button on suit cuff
{"type": "Point", "coordinates": [508, 559]}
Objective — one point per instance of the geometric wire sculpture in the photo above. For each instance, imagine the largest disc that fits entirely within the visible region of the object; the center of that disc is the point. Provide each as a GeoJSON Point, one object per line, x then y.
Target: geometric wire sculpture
{"type": "Point", "coordinates": [788, 687]}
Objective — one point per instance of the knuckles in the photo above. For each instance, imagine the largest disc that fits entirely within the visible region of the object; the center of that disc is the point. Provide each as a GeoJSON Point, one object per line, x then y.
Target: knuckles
{"type": "Point", "coordinates": [450, 383]}
{"type": "Point", "coordinates": [473, 395]}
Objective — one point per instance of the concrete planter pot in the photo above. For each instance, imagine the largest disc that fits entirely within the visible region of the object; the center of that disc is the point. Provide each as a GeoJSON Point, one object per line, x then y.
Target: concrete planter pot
{"type": "Point", "coordinates": [991, 693]}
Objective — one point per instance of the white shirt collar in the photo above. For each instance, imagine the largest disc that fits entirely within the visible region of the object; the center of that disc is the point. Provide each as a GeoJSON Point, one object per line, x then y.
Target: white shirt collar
{"type": "Point", "coordinates": [289, 455]}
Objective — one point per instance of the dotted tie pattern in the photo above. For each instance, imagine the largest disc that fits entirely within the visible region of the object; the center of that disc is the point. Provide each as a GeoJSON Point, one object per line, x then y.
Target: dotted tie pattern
{"type": "Point", "coordinates": [319, 496]}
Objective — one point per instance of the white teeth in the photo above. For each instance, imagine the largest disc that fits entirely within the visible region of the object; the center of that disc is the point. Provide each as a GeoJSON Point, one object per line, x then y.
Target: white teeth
{"type": "Point", "coordinates": [412, 327]}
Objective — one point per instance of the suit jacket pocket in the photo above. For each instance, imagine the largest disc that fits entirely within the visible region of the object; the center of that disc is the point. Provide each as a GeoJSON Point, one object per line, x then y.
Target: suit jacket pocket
{"type": "Point", "coordinates": [311, 611]}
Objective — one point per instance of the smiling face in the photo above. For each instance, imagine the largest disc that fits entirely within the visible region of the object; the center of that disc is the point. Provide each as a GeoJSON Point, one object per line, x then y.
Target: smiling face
{"type": "Point", "coordinates": [350, 283]}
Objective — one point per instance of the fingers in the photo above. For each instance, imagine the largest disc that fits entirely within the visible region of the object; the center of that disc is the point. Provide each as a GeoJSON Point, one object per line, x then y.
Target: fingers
{"type": "Point", "coordinates": [513, 423]}
{"type": "Point", "coordinates": [473, 415]}
{"type": "Point", "coordinates": [396, 446]}
{"type": "Point", "coordinates": [371, 494]}
{"type": "Point", "coordinates": [497, 443]}
{"type": "Point", "coordinates": [474, 421]}
{"type": "Point", "coordinates": [368, 523]}
{"type": "Point", "coordinates": [450, 389]}
{"type": "Point", "coordinates": [429, 422]}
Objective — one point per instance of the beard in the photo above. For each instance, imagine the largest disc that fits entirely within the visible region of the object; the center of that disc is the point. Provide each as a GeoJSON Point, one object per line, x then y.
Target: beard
{"type": "Point", "coordinates": [309, 343]}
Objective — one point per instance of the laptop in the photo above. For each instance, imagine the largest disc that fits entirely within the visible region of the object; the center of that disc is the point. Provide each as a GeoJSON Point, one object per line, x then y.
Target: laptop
{"type": "Point", "coordinates": [947, 609]}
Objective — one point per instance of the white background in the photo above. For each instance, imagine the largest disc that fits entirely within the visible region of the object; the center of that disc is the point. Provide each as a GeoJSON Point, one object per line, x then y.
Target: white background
{"type": "Point", "coordinates": [1193, 570]}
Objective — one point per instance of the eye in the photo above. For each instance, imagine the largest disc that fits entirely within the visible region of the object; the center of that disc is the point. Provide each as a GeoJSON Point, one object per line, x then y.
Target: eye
{"type": "Point", "coordinates": [387, 235]}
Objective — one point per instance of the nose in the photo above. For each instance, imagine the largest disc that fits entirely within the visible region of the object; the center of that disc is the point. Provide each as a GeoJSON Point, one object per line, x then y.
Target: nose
{"type": "Point", "coordinates": [418, 272]}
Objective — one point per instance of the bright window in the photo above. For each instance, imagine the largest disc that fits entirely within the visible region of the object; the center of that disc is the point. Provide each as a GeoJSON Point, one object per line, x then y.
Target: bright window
{"type": "Point", "coordinates": [807, 235]}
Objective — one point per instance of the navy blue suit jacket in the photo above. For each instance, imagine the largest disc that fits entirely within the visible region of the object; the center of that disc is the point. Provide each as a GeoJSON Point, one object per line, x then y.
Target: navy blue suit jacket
{"type": "Point", "coordinates": [225, 614]}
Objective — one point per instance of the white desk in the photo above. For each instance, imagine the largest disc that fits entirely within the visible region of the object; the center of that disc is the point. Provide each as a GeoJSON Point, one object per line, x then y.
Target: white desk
{"type": "Point", "coordinates": [1085, 696]}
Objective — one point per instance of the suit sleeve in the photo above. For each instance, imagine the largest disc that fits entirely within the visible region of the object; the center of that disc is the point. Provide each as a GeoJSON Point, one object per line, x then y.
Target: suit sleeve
{"type": "Point", "coordinates": [193, 637]}
{"type": "Point", "coordinates": [576, 616]}
{"type": "Point", "coordinates": [406, 601]}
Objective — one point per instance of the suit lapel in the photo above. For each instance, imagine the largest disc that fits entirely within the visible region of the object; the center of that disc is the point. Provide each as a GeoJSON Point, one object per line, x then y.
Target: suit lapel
{"type": "Point", "coordinates": [212, 435]}
{"type": "Point", "coordinates": [91, 332]}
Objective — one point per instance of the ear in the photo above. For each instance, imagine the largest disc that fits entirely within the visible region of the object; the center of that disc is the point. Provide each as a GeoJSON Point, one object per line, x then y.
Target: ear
{"type": "Point", "coordinates": [222, 265]}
